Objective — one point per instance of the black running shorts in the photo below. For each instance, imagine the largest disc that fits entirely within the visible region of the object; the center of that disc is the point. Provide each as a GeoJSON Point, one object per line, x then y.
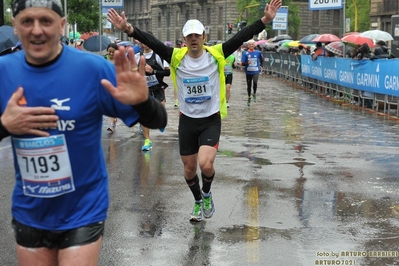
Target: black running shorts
{"type": "Point", "coordinates": [229, 78]}
{"type": "Point", "coordinates": [30, 237]}
{"type": "Point", "coordinates": [158, 94]}
{"type": "Point", "coordinates": [196, 132]}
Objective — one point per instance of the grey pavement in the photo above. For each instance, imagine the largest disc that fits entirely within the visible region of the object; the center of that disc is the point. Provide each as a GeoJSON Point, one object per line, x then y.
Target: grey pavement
{"type": "Point", "coordinates": [300, 180]}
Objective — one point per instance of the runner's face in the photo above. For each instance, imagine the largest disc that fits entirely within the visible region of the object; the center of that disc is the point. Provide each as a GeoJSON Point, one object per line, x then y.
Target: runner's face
{"type": "Point", "coordinates": [194, 42]}
{"type": "Point", "coordinates": [39, 30]}
{"type": "Point", "coordinates": [251, 45]}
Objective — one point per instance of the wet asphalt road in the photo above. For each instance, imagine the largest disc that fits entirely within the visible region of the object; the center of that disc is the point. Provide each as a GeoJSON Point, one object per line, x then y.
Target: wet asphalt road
{"type": "Point", "coordinates": [300, 180]}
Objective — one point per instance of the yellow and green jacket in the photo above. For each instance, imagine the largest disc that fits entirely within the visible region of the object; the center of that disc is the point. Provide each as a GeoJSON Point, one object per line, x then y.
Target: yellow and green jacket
{"type": "Point", "coordinates": [217, 52]}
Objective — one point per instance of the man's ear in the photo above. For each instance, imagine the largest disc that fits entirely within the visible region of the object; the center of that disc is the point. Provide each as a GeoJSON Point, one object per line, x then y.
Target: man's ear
{"type": "Point", "coordinates": [63, 22]}
{"type": "Point", "coordinates": [13, 25]}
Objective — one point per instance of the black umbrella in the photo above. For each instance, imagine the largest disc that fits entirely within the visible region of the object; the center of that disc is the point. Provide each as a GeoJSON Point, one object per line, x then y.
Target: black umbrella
{"type": "Point", "coordinates": [281, 37]}
{"type": "Point", "coordinates": [6, 51]}
{"type": "Point", "coordinates": [7, 37]}
{"type": "Point", "coordinates": [92, 44]}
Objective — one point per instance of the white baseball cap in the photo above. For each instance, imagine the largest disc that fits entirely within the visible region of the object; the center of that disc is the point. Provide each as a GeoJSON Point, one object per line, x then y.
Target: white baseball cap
{"type": "Point", "coordinates": [193, 26]}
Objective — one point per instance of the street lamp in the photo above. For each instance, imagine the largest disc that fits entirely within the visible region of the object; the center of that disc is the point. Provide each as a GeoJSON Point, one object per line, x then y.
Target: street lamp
{"type": "Point", "coordinates": [225, 20]}
{"type": "Point", "coordinates": [66, 18]}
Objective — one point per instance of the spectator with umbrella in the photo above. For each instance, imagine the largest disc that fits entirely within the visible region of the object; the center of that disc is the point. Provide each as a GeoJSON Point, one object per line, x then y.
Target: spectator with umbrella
{"type": "Point", "coordinates": [318, 51]}
{"type": "Point", "coordinates": [384, 48]}
{"type": "Point", "coordinates": [363, 52]}
{"type": "Point", "coordinates": [338, 48]}
{"type": "Point", "coordinates": [96, 43]}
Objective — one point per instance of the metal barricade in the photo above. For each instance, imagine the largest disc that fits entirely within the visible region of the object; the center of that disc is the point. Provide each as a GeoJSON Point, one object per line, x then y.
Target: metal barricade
{"type": "Point", "coordinates": [288, 67]}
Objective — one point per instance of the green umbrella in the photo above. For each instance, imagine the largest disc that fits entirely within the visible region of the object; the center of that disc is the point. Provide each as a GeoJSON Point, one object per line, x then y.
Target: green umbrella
{"type": "Point", "coordinates": [285, 44]}
{"type": "Point", "coordinates": [77, 35]}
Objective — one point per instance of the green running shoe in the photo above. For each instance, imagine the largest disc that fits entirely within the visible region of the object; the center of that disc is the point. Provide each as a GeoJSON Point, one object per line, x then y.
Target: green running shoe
{"type": "Point", "coordinates": [196, 215]}
{"type": "Point", "coordinates": [209, 207]}
{"type": "Point", "coordinates": [147, 145]}
{"type": "Point", "coordinates": [176, 104]}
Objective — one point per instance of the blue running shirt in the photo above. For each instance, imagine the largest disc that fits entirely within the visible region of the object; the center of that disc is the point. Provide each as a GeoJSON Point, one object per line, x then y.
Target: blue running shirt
{"type": "Point", "coordinates": [61, 180]}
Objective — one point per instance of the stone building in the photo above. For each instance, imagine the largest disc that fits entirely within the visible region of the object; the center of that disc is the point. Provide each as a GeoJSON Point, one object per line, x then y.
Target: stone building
{"type": "Point", "coordinates": [381, 12]}
{"type": "Point", "coordinates": [165, 18]}
{"type": "Point", "coordinates": [319, 21]}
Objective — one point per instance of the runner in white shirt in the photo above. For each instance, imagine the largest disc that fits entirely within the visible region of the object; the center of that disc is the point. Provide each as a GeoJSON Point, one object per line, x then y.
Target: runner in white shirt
{"type": "Point", "coordinates": [198, 73]}
{"type": "Point", "coordinates": [155, 70]}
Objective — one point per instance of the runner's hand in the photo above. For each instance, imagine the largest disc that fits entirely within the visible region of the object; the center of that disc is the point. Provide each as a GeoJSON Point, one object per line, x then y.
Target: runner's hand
{"type": "Point", "coordinates": [131, 84]}
{"type": "Point", "coordinates": [271, 10]}
{"type": "Point", "coordinates": [119, 22]}
{"type": "Point", "coordinates": [22, 120]}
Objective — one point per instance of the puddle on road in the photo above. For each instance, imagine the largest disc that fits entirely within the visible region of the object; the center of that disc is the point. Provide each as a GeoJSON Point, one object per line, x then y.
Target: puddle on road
{"type": "Point", "coordinates": [245, 154]}
{"type": "Point", "coordinates": [286, 113]}
{"type": "Point", "coordinates": [298, 161]}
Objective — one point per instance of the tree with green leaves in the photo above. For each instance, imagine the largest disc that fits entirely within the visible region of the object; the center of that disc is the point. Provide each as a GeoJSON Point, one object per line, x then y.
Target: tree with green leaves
{"type": "Point", "coordinates": [8, 15]}
{"type": "Point", "coordinates": [363, 14]}
{"type": "Point", "coordinates": [252, 10]}
{"type": "Point", "coordinates": [85, 13]}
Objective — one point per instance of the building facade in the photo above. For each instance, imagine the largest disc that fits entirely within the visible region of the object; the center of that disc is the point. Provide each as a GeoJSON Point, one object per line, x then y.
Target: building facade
{"type": "Point", "coordinates": [381, 12]}
{"type": "Point", "coordinates": [319, 21]}
{"type": "Point", "coordinates": [165, 18]}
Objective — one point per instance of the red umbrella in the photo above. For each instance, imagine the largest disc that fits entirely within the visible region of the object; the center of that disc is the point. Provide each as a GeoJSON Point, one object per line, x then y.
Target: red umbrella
{"type": "Point", "coordinates": [352, 33]}
{"type": "Point", "coordinates": [87, 35]}
{"type": "Point", "coordinates": [327, 37]}
{"type": "Point", "coordinates": [358, 40]}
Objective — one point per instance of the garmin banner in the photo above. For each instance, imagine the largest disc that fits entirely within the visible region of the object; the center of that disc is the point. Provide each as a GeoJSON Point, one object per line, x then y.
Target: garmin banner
{"type": "Point", "coordinates": [282, 62]}
{"type": "Point", "coordinates": [379, 76]}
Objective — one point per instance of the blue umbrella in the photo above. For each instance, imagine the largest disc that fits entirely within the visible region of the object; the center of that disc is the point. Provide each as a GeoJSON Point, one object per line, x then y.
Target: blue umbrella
{"type": "Point", "coordinates": [92, 44]}
{"type": "Point", "coordinates": [7, 37]}
{"type": "Point", "coordinates": [308, 38]}
{"type": "Point", "coordinates": [281, 38]}
{"type": "Point", "coordinates": [125, 43]}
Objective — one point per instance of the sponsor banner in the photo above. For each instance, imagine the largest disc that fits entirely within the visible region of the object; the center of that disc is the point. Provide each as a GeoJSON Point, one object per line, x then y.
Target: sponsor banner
{"type": "Point", "coordinates": [378, 76]}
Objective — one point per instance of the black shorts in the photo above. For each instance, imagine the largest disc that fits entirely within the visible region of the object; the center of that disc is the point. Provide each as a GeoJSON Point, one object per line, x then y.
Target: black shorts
{"type": "Point", "coordinates": [229, 78]}
{"type": "Point", "coordinates": [31, 237]}
{"type": "Point", "coordinates": [158, 94]}
{"type": "Point", "coordinates": [196, 132]}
